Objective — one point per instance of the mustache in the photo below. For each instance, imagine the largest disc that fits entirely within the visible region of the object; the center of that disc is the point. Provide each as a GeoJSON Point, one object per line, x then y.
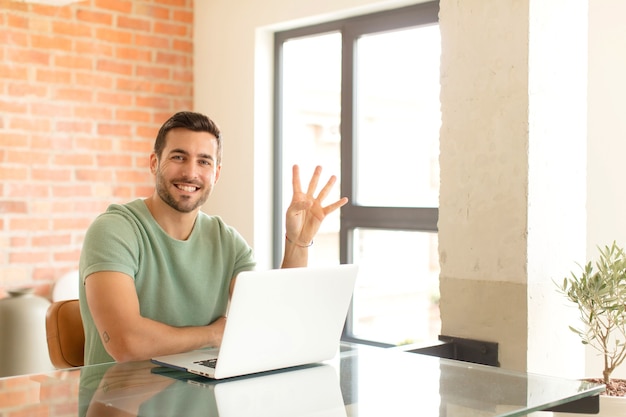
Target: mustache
{"type": "Point", "coordinates": [187, 182]}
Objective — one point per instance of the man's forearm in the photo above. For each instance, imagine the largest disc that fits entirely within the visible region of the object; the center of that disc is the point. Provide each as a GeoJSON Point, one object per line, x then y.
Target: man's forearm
{"type": "Point", "coordinates": [148, 338]}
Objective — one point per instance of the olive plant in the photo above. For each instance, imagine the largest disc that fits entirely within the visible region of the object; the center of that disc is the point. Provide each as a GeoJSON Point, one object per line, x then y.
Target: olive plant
{"type": "Point", "coordinates": [599, 292]}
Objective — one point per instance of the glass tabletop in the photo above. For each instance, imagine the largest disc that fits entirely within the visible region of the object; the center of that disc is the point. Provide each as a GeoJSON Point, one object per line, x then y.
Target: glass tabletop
{"type": "Point", "coordinates": [420, 385]}
{"type": "Point", "coordinates": [358, 382]}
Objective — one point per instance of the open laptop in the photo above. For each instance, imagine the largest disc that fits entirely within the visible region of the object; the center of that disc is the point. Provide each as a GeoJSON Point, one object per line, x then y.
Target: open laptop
{"type": "Point", "coordinates": [277, 319]}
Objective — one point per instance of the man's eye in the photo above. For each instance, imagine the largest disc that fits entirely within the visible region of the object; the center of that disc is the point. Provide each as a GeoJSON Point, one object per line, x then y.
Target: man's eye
{"type": "Point", "coordinates": [205, 162]}
{"type": "Point", "coordinates": [177, 157]}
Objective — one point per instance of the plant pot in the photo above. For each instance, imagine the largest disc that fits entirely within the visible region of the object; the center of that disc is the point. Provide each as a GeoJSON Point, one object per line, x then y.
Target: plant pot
{"type": "Point", "coordinates": [610, 406]}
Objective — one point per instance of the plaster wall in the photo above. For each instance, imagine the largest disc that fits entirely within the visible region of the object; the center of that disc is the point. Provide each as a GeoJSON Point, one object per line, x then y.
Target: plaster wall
{"type": "Point", "coordinates": [483, 191]}
{"type": "Point", "coordinates": [511, 207]}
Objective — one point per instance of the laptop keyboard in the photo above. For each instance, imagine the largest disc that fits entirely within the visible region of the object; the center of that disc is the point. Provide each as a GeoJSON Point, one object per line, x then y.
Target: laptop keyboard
{"type": "Point", "coordinates": [209, 363]}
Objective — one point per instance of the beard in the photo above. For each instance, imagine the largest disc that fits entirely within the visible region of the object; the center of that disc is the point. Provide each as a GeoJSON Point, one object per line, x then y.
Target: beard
{"type": "Point", "coordinates": [186, 204]}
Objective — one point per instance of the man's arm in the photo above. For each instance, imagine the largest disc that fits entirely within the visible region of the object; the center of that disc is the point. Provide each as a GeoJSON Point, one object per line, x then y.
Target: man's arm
{"type": "Point", "coordinates": [304, 217]}
{"type": "Point", "coordinates": [126, 335]}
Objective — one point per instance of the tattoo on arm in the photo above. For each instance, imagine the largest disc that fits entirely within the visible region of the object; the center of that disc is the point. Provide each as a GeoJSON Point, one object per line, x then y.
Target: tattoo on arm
{"type": "Point", "coordinates": [105, 337]}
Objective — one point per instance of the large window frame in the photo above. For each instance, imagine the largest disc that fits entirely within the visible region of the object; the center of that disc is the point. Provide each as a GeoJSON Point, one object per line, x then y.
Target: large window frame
{"type": "Point", "coordinates": [352, 216]}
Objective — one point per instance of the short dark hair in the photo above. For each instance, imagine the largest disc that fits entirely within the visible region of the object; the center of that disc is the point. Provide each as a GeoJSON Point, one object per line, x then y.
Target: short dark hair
{"type": "Point", "coordinates": [196, 122]}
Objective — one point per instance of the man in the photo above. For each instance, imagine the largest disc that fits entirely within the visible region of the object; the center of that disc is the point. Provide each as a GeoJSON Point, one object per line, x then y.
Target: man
{"type": "Point", "coordinates": [157, 273]}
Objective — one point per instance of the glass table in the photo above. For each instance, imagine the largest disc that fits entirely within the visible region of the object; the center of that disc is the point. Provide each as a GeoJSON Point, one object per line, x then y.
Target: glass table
{"type": "Point", "coordinates": [358, 382]}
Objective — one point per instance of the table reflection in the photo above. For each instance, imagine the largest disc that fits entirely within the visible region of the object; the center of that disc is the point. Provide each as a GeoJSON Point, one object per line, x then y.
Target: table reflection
{"type": "Point", "coordinates": [144, 389]}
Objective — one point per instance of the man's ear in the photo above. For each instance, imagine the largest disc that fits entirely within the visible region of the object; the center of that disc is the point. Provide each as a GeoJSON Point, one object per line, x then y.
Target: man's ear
{"type": "Point", "coordinates": [154, 163]}
{"type": "Point", "coordinates": [218, 171]}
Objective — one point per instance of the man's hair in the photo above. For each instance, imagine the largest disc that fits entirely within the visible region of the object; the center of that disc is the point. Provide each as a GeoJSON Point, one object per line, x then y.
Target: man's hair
{"type": "Point", "coordinates": [196, 122]}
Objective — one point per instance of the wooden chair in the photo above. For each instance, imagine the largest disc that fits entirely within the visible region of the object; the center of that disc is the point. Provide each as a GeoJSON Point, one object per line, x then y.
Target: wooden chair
{"type": "Point", "coordinates": [65, 334]}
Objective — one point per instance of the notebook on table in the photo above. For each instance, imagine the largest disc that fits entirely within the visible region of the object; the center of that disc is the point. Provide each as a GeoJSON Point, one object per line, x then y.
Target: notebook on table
{"type": "Point", "coordinates": [277, 319]}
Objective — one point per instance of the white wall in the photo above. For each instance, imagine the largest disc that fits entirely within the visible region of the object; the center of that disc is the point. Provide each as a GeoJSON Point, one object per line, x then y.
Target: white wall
{"type": "Point", "coordinates": [606, 182]}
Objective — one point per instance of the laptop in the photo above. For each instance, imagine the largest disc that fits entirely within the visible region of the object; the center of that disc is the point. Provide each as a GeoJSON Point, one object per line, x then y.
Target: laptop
{"type": "Point", "coordinates": [277, 319]}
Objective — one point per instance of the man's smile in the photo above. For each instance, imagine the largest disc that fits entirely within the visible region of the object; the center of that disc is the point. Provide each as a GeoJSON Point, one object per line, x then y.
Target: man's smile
{"type": "Point", "coordinates": [187, 188]}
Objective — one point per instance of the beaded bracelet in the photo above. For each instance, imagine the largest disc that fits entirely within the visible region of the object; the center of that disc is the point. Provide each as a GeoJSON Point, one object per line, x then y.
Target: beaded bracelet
{"type": "Point", "coordinates": [294, 243]}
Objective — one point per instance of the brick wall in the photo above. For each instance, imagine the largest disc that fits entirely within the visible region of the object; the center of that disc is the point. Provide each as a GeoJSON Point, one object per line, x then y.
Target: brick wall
{"type": "Point", "coordinates": [83, 90]}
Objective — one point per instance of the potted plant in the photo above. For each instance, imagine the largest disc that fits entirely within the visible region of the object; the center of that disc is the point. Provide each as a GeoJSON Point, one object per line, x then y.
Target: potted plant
{"type": "Point", "coordinates": [599, 292]}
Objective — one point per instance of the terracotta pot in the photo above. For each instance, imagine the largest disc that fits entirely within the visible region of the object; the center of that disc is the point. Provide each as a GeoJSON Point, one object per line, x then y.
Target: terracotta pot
{"type": "Point", "coordinates": [23, 345]}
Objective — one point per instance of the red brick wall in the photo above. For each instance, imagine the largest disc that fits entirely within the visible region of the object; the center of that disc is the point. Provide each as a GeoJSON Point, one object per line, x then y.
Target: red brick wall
{"type": "Point", "coordinates": [83, 91]}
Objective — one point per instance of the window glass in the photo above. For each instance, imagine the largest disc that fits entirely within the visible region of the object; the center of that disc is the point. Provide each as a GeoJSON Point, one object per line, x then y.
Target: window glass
{"type": "Point", "coordinates": [398, 118]}
{"type": "Point", "coordinates": [311, 86]}
{"type": "Point", "coordinates": [396, 300]}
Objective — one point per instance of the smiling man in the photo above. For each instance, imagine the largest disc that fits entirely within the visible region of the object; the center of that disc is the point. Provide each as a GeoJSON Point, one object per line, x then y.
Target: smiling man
{"type": "Point", "coordinates": [157, 273]}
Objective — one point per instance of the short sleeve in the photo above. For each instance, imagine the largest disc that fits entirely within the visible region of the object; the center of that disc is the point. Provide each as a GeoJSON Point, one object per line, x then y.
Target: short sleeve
{"type": "Point", "coordinates": [111, 244]}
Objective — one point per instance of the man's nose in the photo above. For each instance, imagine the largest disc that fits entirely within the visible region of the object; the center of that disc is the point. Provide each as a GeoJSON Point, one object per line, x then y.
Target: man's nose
{"type": "Point", "coordinates": [190, 169]}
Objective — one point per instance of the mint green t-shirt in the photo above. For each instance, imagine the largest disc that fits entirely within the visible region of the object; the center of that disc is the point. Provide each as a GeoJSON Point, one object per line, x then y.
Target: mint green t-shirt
{"type": "Point", "coordinates": [180, 283]}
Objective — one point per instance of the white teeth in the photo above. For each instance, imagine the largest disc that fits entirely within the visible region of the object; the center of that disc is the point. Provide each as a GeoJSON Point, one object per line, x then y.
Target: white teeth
{"type": "Point", "coordinates": [189, 189]}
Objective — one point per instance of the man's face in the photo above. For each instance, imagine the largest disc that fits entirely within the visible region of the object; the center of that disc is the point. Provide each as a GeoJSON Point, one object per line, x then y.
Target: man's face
{"type": "Point", "coordinates": [187, 170]}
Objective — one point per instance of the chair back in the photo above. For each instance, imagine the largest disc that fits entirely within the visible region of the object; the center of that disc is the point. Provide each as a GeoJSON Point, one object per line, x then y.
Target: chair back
{"type": "Point", "coordinates": [65, 334]}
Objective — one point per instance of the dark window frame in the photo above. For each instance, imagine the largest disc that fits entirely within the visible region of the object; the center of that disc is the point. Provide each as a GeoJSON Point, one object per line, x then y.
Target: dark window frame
{"type": "Point", "coordinates": [352, 216]}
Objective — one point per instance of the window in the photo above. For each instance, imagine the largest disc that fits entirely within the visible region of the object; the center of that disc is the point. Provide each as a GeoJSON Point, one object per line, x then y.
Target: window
{"type": "Point", "coordinates": [360, 97]}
